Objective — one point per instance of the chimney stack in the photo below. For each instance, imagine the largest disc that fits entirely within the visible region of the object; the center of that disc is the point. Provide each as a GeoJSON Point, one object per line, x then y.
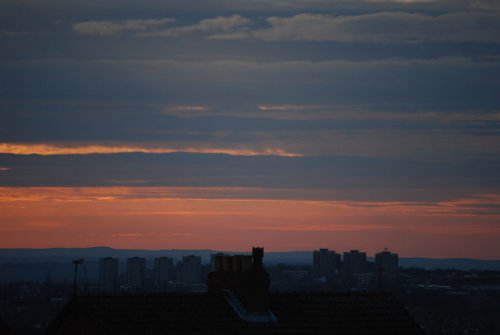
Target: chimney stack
{"type": "Point", "coordinates": [245, 278]}
{"type": "Point", "coordinates": [258, 255]}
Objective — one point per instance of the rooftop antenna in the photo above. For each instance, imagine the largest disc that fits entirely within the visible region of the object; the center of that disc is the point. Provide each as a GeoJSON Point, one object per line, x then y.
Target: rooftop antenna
{"type": "Point", "coordinates": [76, 262]}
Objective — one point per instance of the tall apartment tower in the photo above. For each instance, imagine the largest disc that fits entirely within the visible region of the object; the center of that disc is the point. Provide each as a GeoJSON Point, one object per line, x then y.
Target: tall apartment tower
{"type": "Point", "coordinates": [212, 260]}
{"type": "Point", "coordinates": [191, 269]}
{"type": "Point", "coordinates": [325, 264]}
{"type": "Point", "coordinates": [164, 271]}
{"type": "Point", "coordinates": [109, 273]}
{"type": "Point", "coordinates": [356, 269]}
{"type": "Point", "coordinates": [387, 269]}
{"type": "Point", "coordinates": [136, 268]}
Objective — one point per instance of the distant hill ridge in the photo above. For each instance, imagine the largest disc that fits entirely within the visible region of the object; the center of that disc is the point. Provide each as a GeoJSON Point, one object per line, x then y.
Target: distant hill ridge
{"type": "Point", "coordinates": [30, 255]}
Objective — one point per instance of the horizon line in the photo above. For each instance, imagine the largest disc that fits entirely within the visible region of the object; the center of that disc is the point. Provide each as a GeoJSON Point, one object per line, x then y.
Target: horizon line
{"type": "Point", "coordinates": [239, 252]}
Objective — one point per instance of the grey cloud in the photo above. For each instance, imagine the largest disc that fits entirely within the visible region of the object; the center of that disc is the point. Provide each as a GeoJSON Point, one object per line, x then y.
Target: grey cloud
{"type": "Point", "coordinates": [360, 112]}
{"type": "Point", "coordinates": [373, 177]}
{"type": "Point", "coordinates": [341, 131]}
{"type": "Point", "coordinates": [398, 27]}
{"type": "Point", "coordinates": [257, 5]}
{"type": "Point", "coordinates": [211, 25]}
{"type": "Point", "coordinates": [340, 112]}
{"type": "Point", "coordinates": [372, 27]}
{"type": "Point", "coordinates": [416, 82]}
{"type": "Point", "coordinates": [118, 26]}
{"type": "Point", "coordinates": [7, 33]}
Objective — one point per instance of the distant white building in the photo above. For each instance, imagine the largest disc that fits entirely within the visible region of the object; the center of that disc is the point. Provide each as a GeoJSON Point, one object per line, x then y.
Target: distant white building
{"type": "Point", "coordinates": [297, 275]}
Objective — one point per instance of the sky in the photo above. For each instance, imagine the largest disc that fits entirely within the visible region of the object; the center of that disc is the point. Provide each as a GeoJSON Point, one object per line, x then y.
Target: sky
{"type": "Point", "coordinates": [227, 124]}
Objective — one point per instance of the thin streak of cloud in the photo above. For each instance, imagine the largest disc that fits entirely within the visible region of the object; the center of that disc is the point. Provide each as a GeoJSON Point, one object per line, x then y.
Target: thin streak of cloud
{"type": "Point", "coordinates": [331, 112]}
{"type": "Point", "coordinates": [247, 67]}
{"type": "Point", "coordinates": [211, 25]}
{"type": "Point", "coordinates": [7, 33]}
{"type": "Point", "coordinates": [180, 234]}
{"type": "Point", "coordinates": [291, 107]}
{"type": "Point", "coordinates": [185, 110]}
{"type": "Point", "coordinates": [260, 5]}
{"type": "Point", "coordinates": [110, 27]}
{"type": "Point", "coordinates": [364, 113]}
{"type": "Point", "coordinates": [426, 229]}
{"type": "Point", "coordinates": [476, 205]}
{"type": "Point", "coordinates": [188, 213]}
{"type": "Point", "coordinates": [48, 149]}
{"type": "Point", "coordinates": [189, 108]}
{"type": "Point", "coordinates": [127, 235]}
{"type": "Point", "coordinates": [318, 228]}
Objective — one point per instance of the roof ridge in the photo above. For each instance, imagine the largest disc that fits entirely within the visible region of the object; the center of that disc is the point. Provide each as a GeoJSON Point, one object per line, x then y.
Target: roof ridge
{"type": "Point", "coordinates": [254, 317]}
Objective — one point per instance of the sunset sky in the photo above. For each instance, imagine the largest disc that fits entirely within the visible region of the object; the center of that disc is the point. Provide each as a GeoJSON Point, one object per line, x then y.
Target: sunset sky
{"type": "Point", "coordinates": [223, 124]}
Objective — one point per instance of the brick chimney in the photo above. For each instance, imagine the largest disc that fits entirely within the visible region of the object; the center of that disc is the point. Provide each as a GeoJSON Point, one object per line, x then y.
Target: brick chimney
{"type": "Point", "coordinates": [243, 277]}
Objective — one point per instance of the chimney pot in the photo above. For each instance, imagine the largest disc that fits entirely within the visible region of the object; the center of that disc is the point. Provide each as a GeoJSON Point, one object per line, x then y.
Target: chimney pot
{"type": "Point", "coordinates": [258, 255]}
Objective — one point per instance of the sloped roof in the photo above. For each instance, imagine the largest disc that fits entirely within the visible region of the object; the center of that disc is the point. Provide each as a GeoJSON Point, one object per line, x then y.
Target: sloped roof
{"type": "Point", "coordinates": [296, 313]}
{"type": "Point", "coordinates": [4, 329]}
{"type": "Point", "coordinates": [342, 313]}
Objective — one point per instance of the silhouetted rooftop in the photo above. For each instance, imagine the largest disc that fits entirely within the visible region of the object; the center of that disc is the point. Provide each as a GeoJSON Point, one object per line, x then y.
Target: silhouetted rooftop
{"type": "Point", "coordinates": [296, 313]}
{"type": "Point", "coordinates": [4, 329]}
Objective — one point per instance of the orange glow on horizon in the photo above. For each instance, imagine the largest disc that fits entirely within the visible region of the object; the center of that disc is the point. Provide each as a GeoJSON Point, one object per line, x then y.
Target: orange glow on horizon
{"type": "Point", "coordinates": [214, 218]}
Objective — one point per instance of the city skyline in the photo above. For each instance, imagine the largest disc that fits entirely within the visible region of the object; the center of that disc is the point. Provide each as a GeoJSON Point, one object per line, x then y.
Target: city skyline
{"type": "Point", "coordinates": [290, 124]}
{"type": "Point", "coordinates": [354, 269]}
{"type": "Point", "coordinates": [31, 303]}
